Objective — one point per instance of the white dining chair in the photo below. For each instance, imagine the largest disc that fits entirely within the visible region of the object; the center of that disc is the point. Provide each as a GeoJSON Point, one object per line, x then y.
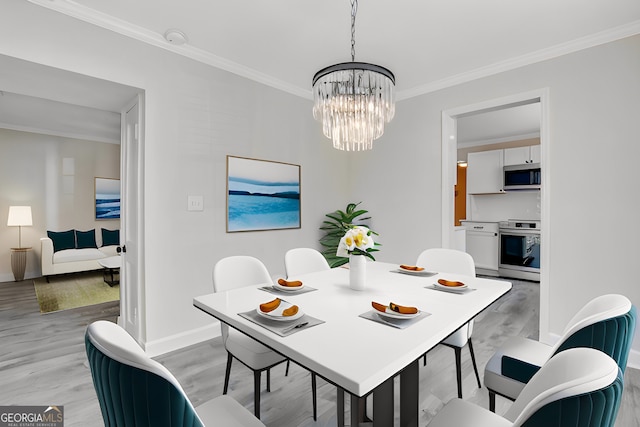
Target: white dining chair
{"type": "Point", "coordinates": [606, 323]}
{"type": "Point", "coordinates": [455, 262]}
{"type": "Point", "coordinates": [299, 261]}
{"type": "Point", "coordinates": [231, 273]}
{"type": "Point", "coordinates": [135, 390]}
{"type": "Point", "coordinates": [578, 387]}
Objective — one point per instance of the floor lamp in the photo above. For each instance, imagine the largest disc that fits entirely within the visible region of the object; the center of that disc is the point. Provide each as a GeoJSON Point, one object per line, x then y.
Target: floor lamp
{"type": "Point", "coordinates": [19, 216]}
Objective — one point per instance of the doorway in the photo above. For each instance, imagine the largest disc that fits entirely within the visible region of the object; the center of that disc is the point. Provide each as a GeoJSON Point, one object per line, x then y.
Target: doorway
{"type": "Point", "coordinates": [449, 144]}
{"type": "Point", "coordinates": [56, 86]}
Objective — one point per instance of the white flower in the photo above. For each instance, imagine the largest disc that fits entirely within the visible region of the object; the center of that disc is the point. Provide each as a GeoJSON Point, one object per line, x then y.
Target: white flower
{"type": "Point", "coordinates": [356, 239]}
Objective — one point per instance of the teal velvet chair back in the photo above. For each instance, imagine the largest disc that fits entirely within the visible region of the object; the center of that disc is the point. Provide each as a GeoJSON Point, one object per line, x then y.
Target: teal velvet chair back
{"type": "Point", "coordinates": [612, 336]}
{"type": "Point", "coordinates": [579, 387]}
{"type": "Point", "coordinates": [132, 394]}
{"type": "Point", "coordinates": [595, 409]}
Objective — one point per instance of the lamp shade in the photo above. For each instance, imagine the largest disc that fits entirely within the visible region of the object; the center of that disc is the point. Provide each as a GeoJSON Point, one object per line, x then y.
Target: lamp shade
{"type": "Point", "coordinates": [19, 216]}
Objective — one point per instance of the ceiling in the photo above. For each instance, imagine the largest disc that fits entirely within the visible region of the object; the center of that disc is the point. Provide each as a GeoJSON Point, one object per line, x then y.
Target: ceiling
{"type": "Point", "coordinates": [428, 45]}
{"type": "Point", "coordinates": [501, 125]}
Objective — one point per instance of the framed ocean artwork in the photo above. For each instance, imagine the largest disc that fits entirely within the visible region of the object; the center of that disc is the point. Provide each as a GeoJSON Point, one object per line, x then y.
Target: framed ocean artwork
{"type": "Point", "coordinates": [262, 195]}
{"type": "Point", "coordinates": [107, 199]}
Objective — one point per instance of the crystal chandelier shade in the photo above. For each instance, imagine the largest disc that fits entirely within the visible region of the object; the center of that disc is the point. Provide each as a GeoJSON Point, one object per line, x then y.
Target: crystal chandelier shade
{"type": "Point", "coordinates": [353, 100]}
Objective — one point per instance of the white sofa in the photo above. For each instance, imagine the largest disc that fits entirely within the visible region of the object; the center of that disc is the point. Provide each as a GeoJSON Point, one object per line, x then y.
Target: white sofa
{"type": "Point", "coordinates": [71, 260]}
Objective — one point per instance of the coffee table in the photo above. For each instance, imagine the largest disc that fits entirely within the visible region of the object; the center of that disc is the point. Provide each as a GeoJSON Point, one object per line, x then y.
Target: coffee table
{"type": "Point", "coordinates": [111, 269]}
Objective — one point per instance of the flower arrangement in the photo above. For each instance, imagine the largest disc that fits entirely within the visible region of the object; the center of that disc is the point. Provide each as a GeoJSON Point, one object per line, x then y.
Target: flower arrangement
{"type": "Point", "coordinates": [336, 226]}
{"type": "Point", "coordinates": [358, 240]}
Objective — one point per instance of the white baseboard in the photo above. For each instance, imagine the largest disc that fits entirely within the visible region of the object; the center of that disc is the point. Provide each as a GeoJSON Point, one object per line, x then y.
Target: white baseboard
{"type": "Point", "coordinates": [182, 340]}
{"type": "Point", "coordinates": [632, 362]}
{"type": "Point", "coordinates": [8, 277]}
{"type": "Point", "coordinates": [634, 359]}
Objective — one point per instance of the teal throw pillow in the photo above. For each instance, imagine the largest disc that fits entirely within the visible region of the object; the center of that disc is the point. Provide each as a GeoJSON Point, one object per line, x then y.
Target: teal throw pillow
{"type": "Point", "coordinates": [110, 237]}
{"type": "Point", "coordinates": [86, 239]}
{"type": "Point", "coordinates": [62, 240]}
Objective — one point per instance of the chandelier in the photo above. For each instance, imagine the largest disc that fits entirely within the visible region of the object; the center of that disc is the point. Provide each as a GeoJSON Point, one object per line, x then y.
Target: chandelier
{"type": "Point", "coordinates": [353, 99]}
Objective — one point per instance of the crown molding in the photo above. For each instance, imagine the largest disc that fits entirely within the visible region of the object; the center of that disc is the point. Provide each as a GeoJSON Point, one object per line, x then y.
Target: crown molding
{"type": "Point", "coordinates": [83, 13]}
{"type": "Point", "coordinates": [489, 141]}
{"type": "Point", "coordinates": [62, 134]}
{"type": "Point", "coordinates": [75, 10]}
{"type": "Point", "coordinates": [582, 43]}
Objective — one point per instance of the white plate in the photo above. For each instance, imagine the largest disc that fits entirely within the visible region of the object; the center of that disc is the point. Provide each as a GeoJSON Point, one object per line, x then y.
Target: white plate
{"type": "Point", "coordinates": [416, 273]}
{"type": "Point", "coordinates": [279, 287]}
{"type": "Point", "coordinates": [277, 313]}
{"type": "Point", "coordinates": [449, 288]}
{"type": "Point", "coordinates": [394, 315]}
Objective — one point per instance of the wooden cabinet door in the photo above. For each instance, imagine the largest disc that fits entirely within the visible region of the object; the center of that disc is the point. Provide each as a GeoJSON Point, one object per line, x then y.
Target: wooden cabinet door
{"type": "Point", "coordinates": [522, 155]}
{"type": "Point", "coordinates": [535, 154]}
{"type": "Point", "coordinates": [516, 156]}
{"type": "Point", "coordinates": [484, 172]}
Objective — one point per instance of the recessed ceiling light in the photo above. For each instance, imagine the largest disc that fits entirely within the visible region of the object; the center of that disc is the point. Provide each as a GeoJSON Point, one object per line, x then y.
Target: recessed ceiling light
{"type": "Point", "coordinates": [176, 37]}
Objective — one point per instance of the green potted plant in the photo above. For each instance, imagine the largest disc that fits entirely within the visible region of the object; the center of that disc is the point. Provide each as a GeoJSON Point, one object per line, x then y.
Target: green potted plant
{"type": "Point", "coordinates": [335, 229]}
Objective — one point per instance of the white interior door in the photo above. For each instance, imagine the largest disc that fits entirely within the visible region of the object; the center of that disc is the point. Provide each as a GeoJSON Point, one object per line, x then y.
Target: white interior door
{"type": "Point", "coordinates": [132, 311]}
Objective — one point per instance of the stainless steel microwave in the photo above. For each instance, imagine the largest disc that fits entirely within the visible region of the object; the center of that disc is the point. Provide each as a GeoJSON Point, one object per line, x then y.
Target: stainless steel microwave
{"type": "Point", "coordinates": [522, 177]}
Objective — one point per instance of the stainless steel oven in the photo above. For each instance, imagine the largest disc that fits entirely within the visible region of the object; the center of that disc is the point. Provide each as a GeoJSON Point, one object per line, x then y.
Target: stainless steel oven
{"type": "Point", "coordinates": [519, 249]}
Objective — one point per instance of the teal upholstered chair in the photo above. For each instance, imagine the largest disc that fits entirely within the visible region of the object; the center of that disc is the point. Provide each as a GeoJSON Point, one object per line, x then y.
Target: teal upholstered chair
{"type": "Point", "coordinates": [606, 323]}
{"type": "Point", "coordinates": [580, 387]}
{"type": "Point", "coordinates": [134, 390]}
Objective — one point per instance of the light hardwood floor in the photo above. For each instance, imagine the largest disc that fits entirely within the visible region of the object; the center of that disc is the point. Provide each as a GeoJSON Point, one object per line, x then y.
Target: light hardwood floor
{"type": "Point", "coordinates": [42, 362]}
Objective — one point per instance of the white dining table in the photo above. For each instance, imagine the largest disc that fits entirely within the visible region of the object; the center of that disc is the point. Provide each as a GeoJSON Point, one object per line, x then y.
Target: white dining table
{"type": "Point", "coordinates": [358, 355]}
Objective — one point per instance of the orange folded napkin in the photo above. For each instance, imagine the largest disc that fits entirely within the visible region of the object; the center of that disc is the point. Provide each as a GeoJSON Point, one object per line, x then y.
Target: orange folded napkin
{"type": "Point", "coordinates": [270, 306]}
{"type": "Point", "coordinates": [290, 284]}
{"type": "Point", "coordinates": [291, 311]}
{"type": "Point", "coordinates": [402, 309]}
{"type": "Point", "coordinates": [450, 283]}
{"type": "Point", "coordinates": [394, 307]}
{"type": "Point", "coordinates": [411, 267]}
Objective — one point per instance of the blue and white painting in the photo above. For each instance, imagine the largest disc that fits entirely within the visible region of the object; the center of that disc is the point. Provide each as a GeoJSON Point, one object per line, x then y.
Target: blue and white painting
{"type": "Point", "coordinates": [262, 195]}
{"type": "Point", "coordinates": [107, 198]}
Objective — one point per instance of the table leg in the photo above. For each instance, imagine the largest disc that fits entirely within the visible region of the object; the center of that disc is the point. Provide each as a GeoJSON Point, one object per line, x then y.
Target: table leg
{"type": "Point", "coordinates": [109, 276]}
{"type": "Point", "coordinates": [409, 388]}
{"type": "Point", "coordinates": [355, 410]}
{"type": "Point", "coordinates": [383, 404]}
{"type": "Point", "coordinates": [340, 412]}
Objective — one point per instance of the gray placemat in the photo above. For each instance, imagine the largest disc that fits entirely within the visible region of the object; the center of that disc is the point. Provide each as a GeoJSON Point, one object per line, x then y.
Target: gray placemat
{"type": "Point", "coordinates": [278, 327]}
{"type": "Point", "coordinates": [452, 290]}
{"type": "Point", "coordinates": [273, 290]}
{"type": "Point", "coordinates": [395, 323]}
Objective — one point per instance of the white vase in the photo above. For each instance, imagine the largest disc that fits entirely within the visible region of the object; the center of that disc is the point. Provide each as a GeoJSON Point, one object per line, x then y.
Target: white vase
{"type": "Point", "coordinates": [357, 272]}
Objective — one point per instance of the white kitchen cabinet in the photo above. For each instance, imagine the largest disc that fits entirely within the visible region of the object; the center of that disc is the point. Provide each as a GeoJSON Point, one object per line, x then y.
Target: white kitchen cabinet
{"type": "Point", "coordinates": [522, 155]}
{"type": "Point", "coordinates": [482, 244]}
{"type": "Point", "coordinates": [484, 172]}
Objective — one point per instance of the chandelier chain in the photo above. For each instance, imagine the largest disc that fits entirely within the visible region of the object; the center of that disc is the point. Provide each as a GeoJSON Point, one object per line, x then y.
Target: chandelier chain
{"type": "Point", "coordinates": [354, 10]}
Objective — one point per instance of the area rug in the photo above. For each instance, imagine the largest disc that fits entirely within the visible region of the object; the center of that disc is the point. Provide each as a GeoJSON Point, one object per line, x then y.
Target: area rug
{"type": "Point", "coordinates": [73, 290]}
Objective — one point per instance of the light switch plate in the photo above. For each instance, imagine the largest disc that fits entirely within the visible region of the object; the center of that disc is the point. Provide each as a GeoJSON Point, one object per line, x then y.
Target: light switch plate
{"type": "Point", "coordinates": [195, 203]}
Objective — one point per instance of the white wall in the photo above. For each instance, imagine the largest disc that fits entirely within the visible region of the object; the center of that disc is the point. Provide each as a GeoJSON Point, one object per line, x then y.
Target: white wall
{"type": "Point", "coordinates": [31, 173]}
{"type": "Point", "coordinates": [593, 196]}
{"type": "Point", "coordinates": [195, 116]}
{"type": "Point", "coordinates": [501, 207]}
